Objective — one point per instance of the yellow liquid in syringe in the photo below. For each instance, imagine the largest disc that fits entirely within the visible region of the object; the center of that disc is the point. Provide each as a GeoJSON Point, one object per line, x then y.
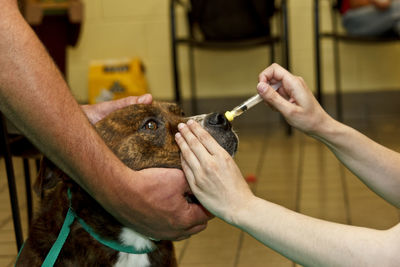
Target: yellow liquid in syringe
{"type": "Point", "coordinates": [246, 105]}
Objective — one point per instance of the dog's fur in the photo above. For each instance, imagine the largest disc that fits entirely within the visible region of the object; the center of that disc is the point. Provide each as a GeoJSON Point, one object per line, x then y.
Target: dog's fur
{"type": "Point", "coordinates": [142, 136]}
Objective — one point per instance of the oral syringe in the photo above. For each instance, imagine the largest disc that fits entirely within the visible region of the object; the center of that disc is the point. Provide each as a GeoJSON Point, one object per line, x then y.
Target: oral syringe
{"type": "Point", "coordinates": [248, 104]}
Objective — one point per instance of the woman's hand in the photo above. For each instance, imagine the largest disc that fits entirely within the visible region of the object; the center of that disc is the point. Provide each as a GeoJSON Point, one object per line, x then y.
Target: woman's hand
{"type": "Point", "coordinates": [213, 176]}
{"type": "Point", "coordinates": [98, 111]}
{"type": "Point", "coordinates": [293, 99]}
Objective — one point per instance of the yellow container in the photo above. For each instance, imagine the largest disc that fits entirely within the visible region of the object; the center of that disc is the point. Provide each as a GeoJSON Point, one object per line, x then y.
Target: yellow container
{"type": "Point", "coordinates": [114, 79]}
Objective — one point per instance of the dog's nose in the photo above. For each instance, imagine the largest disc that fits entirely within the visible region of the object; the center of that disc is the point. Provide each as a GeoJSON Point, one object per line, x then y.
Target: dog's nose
{"type": "Point", "coordinates": [218, 120]}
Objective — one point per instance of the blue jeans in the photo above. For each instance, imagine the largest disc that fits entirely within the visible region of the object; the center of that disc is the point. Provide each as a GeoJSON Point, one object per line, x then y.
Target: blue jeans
{"type": "Point", "coordinates": [370, 21]}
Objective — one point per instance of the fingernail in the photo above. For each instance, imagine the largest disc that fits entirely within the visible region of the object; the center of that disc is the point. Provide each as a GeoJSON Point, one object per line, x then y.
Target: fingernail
{"type": "Point", "coordinates": [261, 87]}
{"type": "Point", "coordinates": [181, 125]}
{"type": "Point", "coordinates": [190, 122]}
{"type": "Point", "coordinates": [141, 99]}
{"type": "Point", "coordinates": [178, 135]}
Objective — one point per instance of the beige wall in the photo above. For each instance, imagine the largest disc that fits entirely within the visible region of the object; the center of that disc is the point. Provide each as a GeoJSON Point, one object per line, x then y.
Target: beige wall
{"type": "Point", "coordinates": [133, 28]}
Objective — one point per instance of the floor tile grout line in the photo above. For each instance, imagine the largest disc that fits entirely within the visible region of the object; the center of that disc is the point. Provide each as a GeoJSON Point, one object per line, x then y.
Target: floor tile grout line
{"type": "Point", "coordinates": [346, 197]}
{"type": "Point", "coordinates": [299, 174]}
{"type": "Point", "coordinates": [259, 167]}
{"type": "Point", "coordinates": [183, 250]}
{"type": "Point", "coordinates": [299, 177]}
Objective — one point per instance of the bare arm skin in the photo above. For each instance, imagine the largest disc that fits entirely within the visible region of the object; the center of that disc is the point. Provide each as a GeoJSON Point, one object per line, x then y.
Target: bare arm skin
{"type": "Point", "coordinates": [217, 182]}
{"type": "Point", "coordinates": [35, 97]}
{"type": "Point", "coordinates": [98, 111]}
{"type": "Point", "coordinates": [377, 166]}
{"type": "Point", "coordinates": [380, 4]}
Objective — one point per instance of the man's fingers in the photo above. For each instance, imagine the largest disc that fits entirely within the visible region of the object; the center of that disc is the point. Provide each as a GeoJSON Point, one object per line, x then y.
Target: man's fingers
{"type": "Point", "coordinates": [191, 231]}
{"type": "Point", "coordinates": [145, 99]}
{"type": "Point", "coordinates": [196, 229]}
{"type": "Point", "coordinates": [98, 111]}
{"type": "Point", "coordinates": [195, 216]}
{"type": "Point", "coordinates": [131, 100]}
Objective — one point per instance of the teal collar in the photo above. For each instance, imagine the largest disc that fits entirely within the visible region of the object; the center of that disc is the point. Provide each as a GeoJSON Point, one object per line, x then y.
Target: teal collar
{"type": "Point", "coordinates": [65, 230]}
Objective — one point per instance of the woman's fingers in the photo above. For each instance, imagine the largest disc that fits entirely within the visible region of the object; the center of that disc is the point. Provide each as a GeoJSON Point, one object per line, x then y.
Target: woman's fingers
{"type": "Point", "coordinates": [187, 154]}
{"type": "Point", "coordinates": [195, 146]}
{"type": "Point", "coordinates": [188, 173]}
{"type": "Point", "coordinates": [275, 99]}
{"type": "Point", "coordinates": [273, 74]}
{"type": "Point", "coordinates": [204, 137]}
{"type": "Point", "coordinates": [200, 141]}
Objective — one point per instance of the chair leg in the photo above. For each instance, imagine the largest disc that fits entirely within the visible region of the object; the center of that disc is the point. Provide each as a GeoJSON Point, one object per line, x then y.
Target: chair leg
{"type": "Point", "coordinates": [285, 31]}
{"type": "Point", "coordinates": [11, 184]}
{"type": "Point", "coordinates": [338, 87]}
{"type": "Point", "coordinates": [178, 96]}
{"type": "Point", "coordinates": [28, 189]}
{"type": "Point", "coordinates": [272, 53]}
{"type": "Point", "coordinates": [317, 53]}
{"type": "Point", "coordinates": [37, 163]}
{"type": "Point", "coordinates": [193, 86]}
{"type": "Point", "coordinates": [336, 59]}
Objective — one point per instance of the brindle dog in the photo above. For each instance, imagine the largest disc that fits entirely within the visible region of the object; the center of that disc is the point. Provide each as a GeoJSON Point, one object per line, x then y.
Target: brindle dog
{"type": "Point", "coordinates": [142, 136]}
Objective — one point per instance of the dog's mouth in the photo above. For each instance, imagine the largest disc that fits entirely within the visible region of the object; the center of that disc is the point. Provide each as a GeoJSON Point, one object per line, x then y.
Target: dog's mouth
{"type": "Point", "coordinates": [220, 129]}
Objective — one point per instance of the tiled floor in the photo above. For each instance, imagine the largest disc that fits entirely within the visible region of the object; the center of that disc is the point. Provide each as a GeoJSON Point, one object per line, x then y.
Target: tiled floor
{"type": "Point", "coordinates": [296, 172]}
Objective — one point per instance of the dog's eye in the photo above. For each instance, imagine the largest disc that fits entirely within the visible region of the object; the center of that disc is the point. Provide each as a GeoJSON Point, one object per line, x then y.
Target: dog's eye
{"type": "Point", "coordinates": [151, 125]}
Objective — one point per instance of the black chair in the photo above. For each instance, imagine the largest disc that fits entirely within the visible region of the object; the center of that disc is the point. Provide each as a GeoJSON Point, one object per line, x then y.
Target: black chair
{"type": "Point", "coordinates": [189, 40]}
{"type": "Point", "coordinates": [336, 37]}
{"type": "Point", "coordinates": [16, 145]}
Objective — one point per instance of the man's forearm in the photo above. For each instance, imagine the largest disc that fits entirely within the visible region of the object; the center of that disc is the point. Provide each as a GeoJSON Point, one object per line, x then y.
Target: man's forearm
{"type": "Point", "coordinates": [35, 97]}
{"type": "Point", "coordinates": [377, 166]}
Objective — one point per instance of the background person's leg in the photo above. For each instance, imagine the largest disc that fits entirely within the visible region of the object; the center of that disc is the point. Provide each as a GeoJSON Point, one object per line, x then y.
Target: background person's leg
{"type": "Point", "coordinates": [369, 21]}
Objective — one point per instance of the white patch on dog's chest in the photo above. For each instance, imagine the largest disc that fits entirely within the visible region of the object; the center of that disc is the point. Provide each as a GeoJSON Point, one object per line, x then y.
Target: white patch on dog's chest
{"type": "Point", "coordinates": [131, 238]}
{"type": "Point", "coordinates": [132, 260]}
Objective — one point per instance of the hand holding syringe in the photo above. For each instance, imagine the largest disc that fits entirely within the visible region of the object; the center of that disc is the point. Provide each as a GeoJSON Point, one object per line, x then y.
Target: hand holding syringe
{"type": "Point", "coordinates": [246, 105]}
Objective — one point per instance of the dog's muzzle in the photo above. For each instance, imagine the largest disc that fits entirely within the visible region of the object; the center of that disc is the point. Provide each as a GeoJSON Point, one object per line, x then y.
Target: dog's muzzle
{"type": "Point", "coordinates": [219, 128]}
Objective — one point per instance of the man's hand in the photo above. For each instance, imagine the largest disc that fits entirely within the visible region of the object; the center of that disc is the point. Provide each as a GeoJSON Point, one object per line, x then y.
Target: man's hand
{"type": "Point", "coordinates": [36, 98]}
{"type": "Point", "coordinates": [152, 201]}
{"type": "Point", "coordinates": [98, 111]}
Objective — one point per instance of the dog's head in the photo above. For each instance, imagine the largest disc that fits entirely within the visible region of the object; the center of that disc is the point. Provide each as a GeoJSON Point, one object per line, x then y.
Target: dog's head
{"type": "Point", "coordinates": [142, 136]}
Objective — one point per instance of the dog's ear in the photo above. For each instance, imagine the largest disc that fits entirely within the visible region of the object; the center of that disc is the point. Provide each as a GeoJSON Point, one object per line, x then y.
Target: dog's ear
{"type": "Point", "coordinates": [48, 177]}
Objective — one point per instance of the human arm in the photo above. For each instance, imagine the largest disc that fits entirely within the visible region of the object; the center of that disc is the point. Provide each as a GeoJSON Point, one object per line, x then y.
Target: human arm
{"type": "Point", "coordinates": [375, 165]}
{"type": "Point", "coordinates": [34, 96]}
{"type": "Point", "coordinates": [218, 184]}
{"type": "Point", "coordinates": [380, 4]}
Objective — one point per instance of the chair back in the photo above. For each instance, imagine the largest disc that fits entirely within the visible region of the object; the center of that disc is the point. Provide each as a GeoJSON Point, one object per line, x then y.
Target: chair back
{"type": "Point", "coordinates": [215, 20]}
